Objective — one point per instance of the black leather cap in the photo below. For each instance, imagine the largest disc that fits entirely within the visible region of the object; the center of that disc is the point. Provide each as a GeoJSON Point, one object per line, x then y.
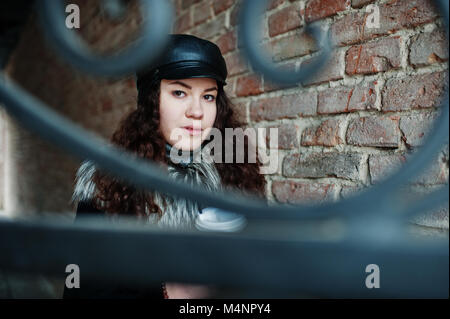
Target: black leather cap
{"type": "Point", "coordinates": [186, 57]}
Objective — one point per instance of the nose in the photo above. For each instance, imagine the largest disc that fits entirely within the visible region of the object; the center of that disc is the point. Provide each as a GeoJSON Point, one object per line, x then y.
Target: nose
{"type": "Point", "coordinates": [195, 109]}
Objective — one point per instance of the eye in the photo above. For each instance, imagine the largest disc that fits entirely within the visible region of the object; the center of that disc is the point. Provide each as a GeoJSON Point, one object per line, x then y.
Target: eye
{"type": "Point", "coordinates": [178, 93]}
{"type": "Point", "coordinates": [209, 97]}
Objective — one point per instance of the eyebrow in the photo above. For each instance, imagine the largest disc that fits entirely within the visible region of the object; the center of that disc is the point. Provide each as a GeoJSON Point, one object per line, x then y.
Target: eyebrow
{"type": "Point", "coordinates": [190, 88]}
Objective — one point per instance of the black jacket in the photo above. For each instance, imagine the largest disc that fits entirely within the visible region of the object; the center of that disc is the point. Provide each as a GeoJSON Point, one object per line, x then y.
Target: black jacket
{"type": "Point", "coordinates": [94, 290]}
{"type": "Point", "coordinates": [180, 212]}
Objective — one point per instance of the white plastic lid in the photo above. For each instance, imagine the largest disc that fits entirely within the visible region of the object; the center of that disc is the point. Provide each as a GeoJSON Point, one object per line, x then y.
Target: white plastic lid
{"type": "Point", "coordinates": [215, 219]}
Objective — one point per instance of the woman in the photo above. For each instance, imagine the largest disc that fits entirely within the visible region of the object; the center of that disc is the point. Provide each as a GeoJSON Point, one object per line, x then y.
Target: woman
{"type": "Point", "coordinates": [180, 101]}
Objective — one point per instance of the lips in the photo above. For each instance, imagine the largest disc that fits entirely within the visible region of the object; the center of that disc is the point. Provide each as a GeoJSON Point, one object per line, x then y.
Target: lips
{"type": "Point", "coordinates": [192, 130]}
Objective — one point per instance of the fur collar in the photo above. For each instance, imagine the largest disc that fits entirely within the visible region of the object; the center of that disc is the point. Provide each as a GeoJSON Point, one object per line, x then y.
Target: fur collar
{"type": "Point", "coordinates": [179, 212]}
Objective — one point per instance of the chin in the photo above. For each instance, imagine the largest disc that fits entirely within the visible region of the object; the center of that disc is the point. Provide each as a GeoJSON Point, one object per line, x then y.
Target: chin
{"type": "Point", "coordinates": [188, 144]}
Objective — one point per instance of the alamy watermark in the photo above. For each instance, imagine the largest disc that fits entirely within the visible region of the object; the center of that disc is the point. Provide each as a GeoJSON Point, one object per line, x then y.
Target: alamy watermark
{"type": "Point", "coordinates": [73, 18]}
{"type": "Point", "coordinates": [373, 279]}
{"type": "Point", "coordinates": [373, 18]}
{"type": "Point", "coordinates": [73, 279]}
{"type": "Point", "coordinates": [235, 152]}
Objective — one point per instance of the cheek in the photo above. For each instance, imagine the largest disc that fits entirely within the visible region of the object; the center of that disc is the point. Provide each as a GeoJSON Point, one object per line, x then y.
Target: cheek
{"type": "Point", "coordinates": [210, 116]}
{"type": "Point", "coordinates": [164, 120]}
{"type": "Point", "coordinates": [165, 115]}
{"type": "Point", "coordinates": [169, 114]}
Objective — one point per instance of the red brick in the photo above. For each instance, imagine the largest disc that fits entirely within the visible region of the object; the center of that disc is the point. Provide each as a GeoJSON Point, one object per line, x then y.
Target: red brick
{"type": "Point", "coordinates": [360, 3]}
{"type": "Point", "coordinates": [318, 165]}
{"type": "Point", "coordinates": [363, 97]}
{"type": "Point", "coordinates": [222, 5]}
{"type": "Point", "coordinates": [286, 19]}
{"type": "Point", "coordinates": [373, 131]}
{"type": "Point", "coordinates": [178, 7]}
{"type": "Point", "coordinates": [235, 12]}
{"type": "Point", "coordinates": [286, 106]}
{"type": "Point", "coordinates": [274, 3]}
{"type": "Point", "coordinates": [227, 42]}
{"type": "Point", "coordinates": [236, 63]}
{"type": "Point", "coordinates": [187, 3]}
{"type": "Point", "coordinates": [229, 88]}
{"type": "Point", "coordinates": [409, 14]}
{"type": "Point", "coordinates": [394, 15]}
{"type": "Point", "coordinates": [383, 166]}
{"type": "Point", "coordinates": [287, 136]}
{"type": "Point", "coordinates": [374, 57]}
{"type": "Point", "coordinates": [350, 29]}
{"type": "Point", "coordinates": [270, 86]}
{"type": "Point", "coordinates": [183, 23]}
{"type": "Point", "coordinates": [202, 13]}
{"type": "Point", "coordinates": [414, 92]}
{"type": "Point", "coordinates": [268, 109]}
{"type": "Point", "coordinates": [105, 36]}
{"type": "Point", "coordinates": [331, 71]}
{"type": "Point", "coordinates": [249, 85]}
{"type": "Point", "coordinates": [295, 45]}
{"type": "Point", "coordinates": [428, 48]}
{"type": "Point", "coordinates": [345, 99]}
{"type": "Point", "coordinates": [326, 134]}
{"type": "Point", "coordinates": [415, 127]}
{"type": "Point", "coordinates": [240, 110]}
{"type": "Point", "coordinates": [296, 193]}
{"type": "Point", "coordinates": [211, 28]}
{"type": "Point", "coordinates": [318, 9]}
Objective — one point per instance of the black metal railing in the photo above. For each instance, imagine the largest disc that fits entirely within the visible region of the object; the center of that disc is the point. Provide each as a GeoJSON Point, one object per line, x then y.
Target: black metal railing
{"type": "Point", "coordinates": [321, 249]}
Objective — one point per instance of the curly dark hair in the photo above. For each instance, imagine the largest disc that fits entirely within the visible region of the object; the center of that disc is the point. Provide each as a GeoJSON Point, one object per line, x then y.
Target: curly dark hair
{"type": "Point", "coordinates": [139, 133]}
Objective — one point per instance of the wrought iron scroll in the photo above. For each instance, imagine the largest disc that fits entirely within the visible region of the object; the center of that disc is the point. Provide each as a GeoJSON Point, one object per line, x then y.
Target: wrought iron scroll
{"type": "Point", "coordinates": [369, 227]}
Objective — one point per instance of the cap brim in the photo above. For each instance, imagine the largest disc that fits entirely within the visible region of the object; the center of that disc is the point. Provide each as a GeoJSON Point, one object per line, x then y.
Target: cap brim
{"type": "Point", "coordinates": [186, 72]}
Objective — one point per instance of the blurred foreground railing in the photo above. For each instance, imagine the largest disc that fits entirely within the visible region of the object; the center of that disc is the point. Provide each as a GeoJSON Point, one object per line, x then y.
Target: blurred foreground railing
{"type": "Point", "coordinates": [321, 250]}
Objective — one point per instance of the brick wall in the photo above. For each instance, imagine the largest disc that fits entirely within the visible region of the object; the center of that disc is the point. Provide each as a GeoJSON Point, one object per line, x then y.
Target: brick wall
{"type": "Point", "coordinates": [352, 124]}
{"type": "Point", "coordinates": [340, 131]}
{"type": "Point", "coordinates": [40, 175]}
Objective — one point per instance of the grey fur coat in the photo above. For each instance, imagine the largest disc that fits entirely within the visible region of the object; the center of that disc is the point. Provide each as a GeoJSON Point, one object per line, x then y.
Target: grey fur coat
{"type": "Point", "coordinates": [179, 212]}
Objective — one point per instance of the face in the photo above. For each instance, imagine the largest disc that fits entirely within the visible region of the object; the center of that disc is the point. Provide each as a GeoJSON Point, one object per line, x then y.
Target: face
{"type": "Point", "coordinates": [187, 111]}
